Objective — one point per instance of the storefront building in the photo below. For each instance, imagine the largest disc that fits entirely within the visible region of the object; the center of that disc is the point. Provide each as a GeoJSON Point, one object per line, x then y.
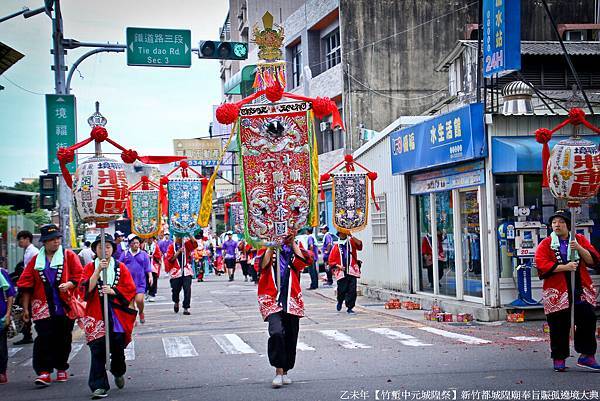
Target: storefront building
{"type": "Point", "coordinates": [448, 191]}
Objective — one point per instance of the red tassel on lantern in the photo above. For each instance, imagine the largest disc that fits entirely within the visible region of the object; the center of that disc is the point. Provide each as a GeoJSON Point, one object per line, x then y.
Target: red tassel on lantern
{"type": "Point", "coordinates": [543, 136]}
{"type": "Point", "coordinates": [227, 113]}
{"type": "Point", "coordinates": [227, 206]}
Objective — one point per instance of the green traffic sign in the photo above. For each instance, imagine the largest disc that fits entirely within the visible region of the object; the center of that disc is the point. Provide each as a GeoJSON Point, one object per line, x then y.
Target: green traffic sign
{"type": "Point", "coordinates": [61, 122]}
{"type": "Point", "coordinates": [159, 47]}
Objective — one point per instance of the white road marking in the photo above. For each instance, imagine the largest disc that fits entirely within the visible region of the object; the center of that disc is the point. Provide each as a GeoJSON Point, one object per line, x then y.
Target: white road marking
{"type": "Point", "coordinates": [343, 339]}
{"type": "Point", "coordinates": [233, 344]}
{"type": "Point", "coordinates": [455, 336]}
{"type": "Point", "coordinates": [304, 347]}
{"type": "Point", "coordinates": [179, 347]}
{"type": "Point", "coordinates": [405, 339]}
{"type": "Point", "coordinates": [13, 350]}
{"type": "Point", "coordinates": [28, 362]}
{"type": "Point", "coordinates": [130, 352]}
{"type": "Point", "coordinates": [75, 348]}
{"type": "Point", "coordinates": [525, 338]}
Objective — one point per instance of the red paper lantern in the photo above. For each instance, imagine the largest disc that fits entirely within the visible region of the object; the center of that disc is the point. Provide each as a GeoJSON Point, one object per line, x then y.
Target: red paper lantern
{"type": "Point", "coordinates": [100, 190]}
{"type": "Point", "coordinates": [574, 169]}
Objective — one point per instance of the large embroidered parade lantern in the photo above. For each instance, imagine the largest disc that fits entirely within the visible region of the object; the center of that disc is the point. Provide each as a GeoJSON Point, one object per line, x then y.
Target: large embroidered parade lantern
{"type": "Point", "coordinates": [350, 195]}
{"type": "Point", "coordinates": [100, 190]}
{"type": "Point", "coordinates": [145, 209]}
{"type": "Point", "coordinates": [572, 169]}
{"type": "Point", "coordinates": [184, 198]}
{"type": "Point", "coordinates": [277, 148]}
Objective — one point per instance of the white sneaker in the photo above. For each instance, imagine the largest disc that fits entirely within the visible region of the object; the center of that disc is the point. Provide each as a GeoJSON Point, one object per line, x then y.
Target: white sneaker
{"type": "Point", "coordinates": [151, 299]}
{"type": "Point", "coordinates": [277, 381]}
{"type": "Point", "coordinates": [286, 379]}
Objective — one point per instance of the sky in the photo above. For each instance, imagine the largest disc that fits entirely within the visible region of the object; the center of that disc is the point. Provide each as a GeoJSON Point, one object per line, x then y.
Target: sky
{"type": "Point", "coordinates": [146, 107]}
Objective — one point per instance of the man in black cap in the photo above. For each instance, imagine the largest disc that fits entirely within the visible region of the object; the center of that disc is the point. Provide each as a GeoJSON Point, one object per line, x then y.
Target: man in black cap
{"type": "Point", "coordinates": [556, 258]}
{"type": "Point", "coordinates": [48, 282]}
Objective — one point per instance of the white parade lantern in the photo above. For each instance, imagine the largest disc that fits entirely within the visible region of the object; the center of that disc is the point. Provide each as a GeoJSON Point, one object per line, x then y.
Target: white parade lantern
{"type": "Point", "coordinates": [574, 170]}
{"type": "Point", "coordinates": [100, 190]}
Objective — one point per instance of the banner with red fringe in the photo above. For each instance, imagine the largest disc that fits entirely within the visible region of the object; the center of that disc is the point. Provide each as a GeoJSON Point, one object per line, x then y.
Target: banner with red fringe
{"type": "Point", "coordinates": [279, 181]}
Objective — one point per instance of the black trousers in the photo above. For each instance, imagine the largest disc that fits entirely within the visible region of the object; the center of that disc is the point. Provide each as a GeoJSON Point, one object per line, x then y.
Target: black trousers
{"type": "Point", "coordinates": [3, 350]}
{"type": "Point", "coordinates": [52, 345]}
{"type": "Point", "coordinates": [244, 265]}
{"type": "Point", "coordinates": [346, 291]}
{"type": "Point", "coordinates": [253, 273]}
{"type": "Point", "coordinates": [441, 266]}
{"type": "Point", "coordinates": [585, 331]}
{"type": "Point", "coordinates": [328, 271]}
{"type": "Point", "coordinates": [177, 284]}
{"type": "Point", "coordinates": [152, 288]}
{"type": "Point", "coordinates": [283, 338]}
{"type": "Point", "coordinates": [314, 276]}
{"type": "Point", "coordinates": [98, 378]}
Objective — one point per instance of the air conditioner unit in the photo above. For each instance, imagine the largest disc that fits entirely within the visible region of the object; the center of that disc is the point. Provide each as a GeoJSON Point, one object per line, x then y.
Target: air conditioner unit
{"type": "Point", "coordinates": [324, 125]}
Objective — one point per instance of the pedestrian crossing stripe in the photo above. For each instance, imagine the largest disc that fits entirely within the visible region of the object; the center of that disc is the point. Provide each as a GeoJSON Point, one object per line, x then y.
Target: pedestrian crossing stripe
{"type": "Point", "coordinates": [343, 339]}
{"type": "Point", "coordinates": [404, 339]}
{"type": "Point", "coordinates": [304, 347]}
{"type": "Point", "coordinates": [459, 337]}
{"type": "Point", "coordinates": [233, 344]}
{"type": "Point", "coordinates": [179, 347]}
{"type": "Point", "coordinates": [130, 351]}
{"type": "Point", "coordinates": [13, 350]}
{"type": "Point", "coordinates": [75, 348]}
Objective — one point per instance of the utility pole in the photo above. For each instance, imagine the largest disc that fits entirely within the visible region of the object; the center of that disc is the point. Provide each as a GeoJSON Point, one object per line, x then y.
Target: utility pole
{"type": "Point", "coordinates": [59, 68]}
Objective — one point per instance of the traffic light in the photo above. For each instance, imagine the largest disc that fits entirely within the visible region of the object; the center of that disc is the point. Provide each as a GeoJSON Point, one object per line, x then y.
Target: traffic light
{"type": "Point", "coordinates": [48, 189]}
{"type": "Point", "coordinates": [213, 49]}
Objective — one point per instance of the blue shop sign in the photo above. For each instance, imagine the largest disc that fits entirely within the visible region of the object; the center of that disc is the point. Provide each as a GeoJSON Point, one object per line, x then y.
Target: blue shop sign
{"type": "Point", "coordinates": [449, 138]}
{"type": "Point", "coordinates": [501, 37]}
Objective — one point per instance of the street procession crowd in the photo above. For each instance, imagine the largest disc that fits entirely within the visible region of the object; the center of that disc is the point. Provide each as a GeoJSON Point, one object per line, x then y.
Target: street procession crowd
{"type": "Point", "coordinates": [53, 288]}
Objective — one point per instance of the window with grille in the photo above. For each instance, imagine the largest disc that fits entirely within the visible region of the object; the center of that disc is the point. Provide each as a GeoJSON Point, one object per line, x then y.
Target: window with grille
{"type": "Point", "coordinates": [333, 52]}
{"type": "Point", "coordinates": [296, 64]}
{"type": "Point", "coordinates": [379, 220]}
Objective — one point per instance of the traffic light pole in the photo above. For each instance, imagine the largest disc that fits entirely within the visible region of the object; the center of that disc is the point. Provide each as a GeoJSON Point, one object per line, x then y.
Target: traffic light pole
{"type": "Point", "coordinates": [59, 67]}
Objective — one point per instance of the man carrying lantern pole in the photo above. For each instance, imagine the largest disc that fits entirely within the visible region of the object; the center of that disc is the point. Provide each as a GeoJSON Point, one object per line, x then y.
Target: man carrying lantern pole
{"type": "Point", "coordinates": [572, 171]}
{"type": "Point", "coordinates": [100, 191]}
{"type": "Point", "coordinates": [118, 289]}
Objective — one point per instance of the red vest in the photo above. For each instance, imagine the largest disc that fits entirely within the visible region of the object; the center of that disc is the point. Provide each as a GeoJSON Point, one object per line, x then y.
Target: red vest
{"type": "Point", "coordinates": [335, 258]}
{"type": "Point", "coordinates": [173, 268]}
{"type": "Point", "coordinates": [30, 280]}
{"type": "Point", "coordinates": [267, 287]}
{"type": "Point", "coordinates": [124, 287]}
{"type": "Point", "coordinates": [555, 293]}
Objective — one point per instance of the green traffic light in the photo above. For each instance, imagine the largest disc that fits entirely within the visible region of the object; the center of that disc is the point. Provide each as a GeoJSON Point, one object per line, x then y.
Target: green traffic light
{"type": "Point", "coordinates": [240, 50]}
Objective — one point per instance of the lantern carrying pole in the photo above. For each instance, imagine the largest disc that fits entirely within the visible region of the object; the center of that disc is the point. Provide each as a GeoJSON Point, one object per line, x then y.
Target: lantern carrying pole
{"type": "Point", "coordinates": [104, 278]}
{"type": "Point", "coordinates": [278, 272]}
{"type": "Point", "coordinates": [572, 258]}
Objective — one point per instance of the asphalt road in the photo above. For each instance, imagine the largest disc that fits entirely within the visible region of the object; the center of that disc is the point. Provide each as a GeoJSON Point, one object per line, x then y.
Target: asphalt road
{"type": "Point", "coordinates": [219, 353]}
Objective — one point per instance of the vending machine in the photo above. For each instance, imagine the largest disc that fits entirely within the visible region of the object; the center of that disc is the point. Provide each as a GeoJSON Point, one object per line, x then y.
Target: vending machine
{"type": "Point", "coordinates": [527, 236]}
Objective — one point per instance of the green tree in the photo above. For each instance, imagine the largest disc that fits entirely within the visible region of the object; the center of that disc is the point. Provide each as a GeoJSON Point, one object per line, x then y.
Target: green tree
{"type": "Point", "coordinates": [5, 211]}
{"type": "Point", "coordinates": [22, 186]}
{"type": "Point", "coordinates": [39, 217]}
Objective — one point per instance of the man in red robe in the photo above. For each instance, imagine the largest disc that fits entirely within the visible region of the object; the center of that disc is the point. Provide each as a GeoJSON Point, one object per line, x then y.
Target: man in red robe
{"type": "Point", "coordinates": [47, 284]}
{"type": "Point", "coordinates": [120, 290]}
{"type": "Point", "coordinates": [554, 264]}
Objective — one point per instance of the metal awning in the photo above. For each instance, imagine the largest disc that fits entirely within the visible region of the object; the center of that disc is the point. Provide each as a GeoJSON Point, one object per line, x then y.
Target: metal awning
{"type": "Point", "coordinates": [241, 82]}
{"type": "Point", "coordinates": [8, 57]}
{"type": "Point", "coordinates": [518, 155]}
